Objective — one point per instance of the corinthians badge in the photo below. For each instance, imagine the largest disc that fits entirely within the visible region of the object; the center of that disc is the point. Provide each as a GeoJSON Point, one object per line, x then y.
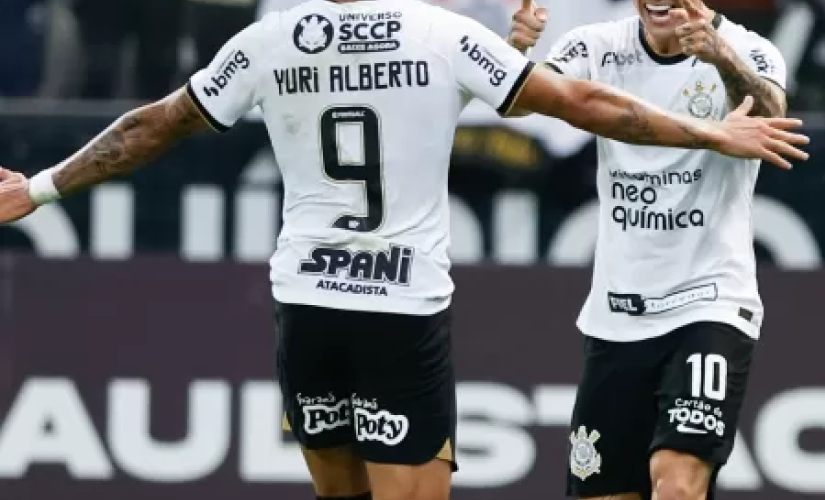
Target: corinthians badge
{"type": "Point", "coordinates": [700, 104]}
{"type": "Point", "coordinates": [584, 459]}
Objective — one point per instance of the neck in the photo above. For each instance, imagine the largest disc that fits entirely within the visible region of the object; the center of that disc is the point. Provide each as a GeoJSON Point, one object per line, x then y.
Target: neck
{"type": "Point", "coordinates": [669, 45]}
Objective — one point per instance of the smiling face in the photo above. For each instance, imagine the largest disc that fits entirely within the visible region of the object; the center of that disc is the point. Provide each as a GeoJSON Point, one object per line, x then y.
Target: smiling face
{"type": "Point", "coordinates": [656, 18]}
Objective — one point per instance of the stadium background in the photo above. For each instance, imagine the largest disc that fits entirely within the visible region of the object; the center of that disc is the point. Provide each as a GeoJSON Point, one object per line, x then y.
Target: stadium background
{"type": "Point", "coordinates": [135, 336]}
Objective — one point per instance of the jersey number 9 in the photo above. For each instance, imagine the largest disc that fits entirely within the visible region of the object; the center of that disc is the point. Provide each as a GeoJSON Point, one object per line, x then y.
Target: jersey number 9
{"type": "Point", "coordinates": [351, 152]}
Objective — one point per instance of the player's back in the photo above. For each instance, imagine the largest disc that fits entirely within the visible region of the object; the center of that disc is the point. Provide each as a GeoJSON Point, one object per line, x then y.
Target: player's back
{"type": "Point", "coordinates": [362, 116]}
{"type": "Point", "coordinates": [361, 100]}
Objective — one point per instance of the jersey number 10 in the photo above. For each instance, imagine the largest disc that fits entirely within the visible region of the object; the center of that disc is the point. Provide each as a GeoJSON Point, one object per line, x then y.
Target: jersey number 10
{"type": "Point", "coordinates": [351, 152]}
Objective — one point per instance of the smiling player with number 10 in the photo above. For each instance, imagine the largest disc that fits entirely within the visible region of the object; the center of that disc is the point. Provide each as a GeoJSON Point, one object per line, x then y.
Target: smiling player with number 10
{"type": "Point", "coordinates": [674, 310]}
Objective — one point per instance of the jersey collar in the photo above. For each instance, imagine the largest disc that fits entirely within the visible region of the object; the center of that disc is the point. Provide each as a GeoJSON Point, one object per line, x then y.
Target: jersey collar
{"type": "Point", "coordinates": [668, 60]}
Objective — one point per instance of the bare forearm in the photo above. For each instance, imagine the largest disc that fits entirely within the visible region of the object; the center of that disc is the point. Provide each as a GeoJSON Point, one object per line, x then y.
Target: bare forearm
{"type": "Point", "coordinates": [610, 112]}
{"type": "Point", "coordinates": [134, 140]}
{"type": "Point", "coordinates": [622, 117]}
{"type": "Point", "coordinates": [740, 82]}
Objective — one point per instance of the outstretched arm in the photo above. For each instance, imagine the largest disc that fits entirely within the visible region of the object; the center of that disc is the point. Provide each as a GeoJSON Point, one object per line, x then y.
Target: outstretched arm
{"type": "Point", "coordinates": [132, 141]}
{"type": "Point", "coordinates": [615, 114]}
{"type": "Point", "coordinates": [610, 112]}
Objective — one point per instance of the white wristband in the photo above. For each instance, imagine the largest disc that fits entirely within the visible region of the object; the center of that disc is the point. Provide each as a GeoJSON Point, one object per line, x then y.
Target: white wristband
{"type": "Point", "coordinates": [42, 189]}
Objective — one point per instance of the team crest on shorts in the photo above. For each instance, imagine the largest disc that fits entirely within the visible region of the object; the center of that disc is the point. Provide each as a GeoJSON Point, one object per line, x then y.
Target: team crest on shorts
{"type": "Point", "coordinates": [584, 459]}
{"type": "Point", "coordinates": [701, 104]}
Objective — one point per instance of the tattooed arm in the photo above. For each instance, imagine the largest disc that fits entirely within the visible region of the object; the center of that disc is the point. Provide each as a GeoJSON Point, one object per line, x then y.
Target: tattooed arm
{"type": "Point", "coordinates": [698, 36]}
{"type": "Point", "coordinates": [614, 114]}
{"type": "Point", "coordinates": [610, 112]}
{"type": "Point", "coordinates": [741, 81]}
{"type": "Point", "coordinates": [135, 139]}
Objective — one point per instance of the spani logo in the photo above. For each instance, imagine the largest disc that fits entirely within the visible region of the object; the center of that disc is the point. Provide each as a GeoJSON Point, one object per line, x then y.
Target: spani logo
{"type": "Point", "coordinates": [313, 34]}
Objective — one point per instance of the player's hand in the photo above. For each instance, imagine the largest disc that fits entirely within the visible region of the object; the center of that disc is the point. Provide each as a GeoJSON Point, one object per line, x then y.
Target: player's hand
{"type": "Point", "coordinates": [15, 202]}
{"type": "Point", "coordinates": [696, 34]}
{"type": "Point", "coordinates": [743, 136]}
{"type": "Point", "coordinates": [528, 24]}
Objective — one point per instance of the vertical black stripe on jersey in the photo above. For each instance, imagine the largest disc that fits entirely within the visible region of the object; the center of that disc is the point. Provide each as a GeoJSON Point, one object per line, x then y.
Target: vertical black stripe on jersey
{"type": "Point", "coordinates": [215, 124]}
{"type": "Point", "coordinates": [507, 105]}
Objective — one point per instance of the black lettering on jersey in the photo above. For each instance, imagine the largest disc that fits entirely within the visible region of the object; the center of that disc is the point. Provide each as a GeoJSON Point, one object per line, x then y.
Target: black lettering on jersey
{"type": "Point", "coordinates": [369, 33]}
{"type": "Point", "coordinates": [760, 59]}
{"type": "Point", "coordinates": [485, 60]}
{"type": "Point", "coordinates": [335, 286]}
{"type": "Point", "coordinates": [620, 59]}
{"type": "Point", "coordinates": [391, 266]}
{"type": "Point", "coordinates": [300, 80]}
{"type": "Point", "coordinates": [571, 51]}
{"type": "Point", "coordinates": [233, 63]}
{"type": "Point", "coordinates": [369, 17]}
{"type": "Point", "coordinates": [379, 76]}
{"type": "Point", "coordinates": [365, 31]}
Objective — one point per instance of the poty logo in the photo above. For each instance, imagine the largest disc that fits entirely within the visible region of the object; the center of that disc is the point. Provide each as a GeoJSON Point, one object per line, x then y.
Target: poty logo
{"type": "Point", "coordinates": [235, 62]}
{"type": "Point", "coordinates": [382, 426]}
{"type": "Point", "coordinates": [319, 418]}
{"type": "Point", "coordinates": [622, 59]}
{"type": "Point", "coordinates": [484, 60]}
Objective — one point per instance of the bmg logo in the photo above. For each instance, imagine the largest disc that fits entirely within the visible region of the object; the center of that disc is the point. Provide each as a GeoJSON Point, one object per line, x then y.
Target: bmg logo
{"type": "Point", "coordinates": [236, 62]}
{"type": "Point", "coordinates": [484, 60]}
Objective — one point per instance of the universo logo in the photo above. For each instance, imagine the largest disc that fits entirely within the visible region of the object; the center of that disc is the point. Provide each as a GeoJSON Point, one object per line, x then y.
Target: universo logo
{"type": "Point", "coordinates": [48, 423]}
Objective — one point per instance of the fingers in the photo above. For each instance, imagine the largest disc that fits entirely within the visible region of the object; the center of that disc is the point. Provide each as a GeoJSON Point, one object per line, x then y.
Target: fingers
{"type": "Point", "coordinates": [771, 157]}
{"type": "Point", "coordinates": [789, 137]}
{"type": "Point", "coordinates": [787, 150]}
{"type": "Point", "coordinates": [692, 7]}
{"type": "Point", "coordinates": [529, 19]}
{"type": "Point", "coordinates": [687, 28]}
{"type": "Point", "coordinates": [11, 177]}
{"type": "Point", "coordinates": [527, 5]}
{"type": "Point", "coordinates": [680, 16]}
{"type": "Point", "coordinates": [783, 123]}
{"type": "Point", "coordinates": [528, 25]}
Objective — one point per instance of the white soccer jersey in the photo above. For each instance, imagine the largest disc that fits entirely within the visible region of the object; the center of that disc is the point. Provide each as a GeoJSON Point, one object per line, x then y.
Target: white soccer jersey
{"type": "Point", "coordinates": [675, 241]}
{"type": "Point", "coordinates": [361, 101]}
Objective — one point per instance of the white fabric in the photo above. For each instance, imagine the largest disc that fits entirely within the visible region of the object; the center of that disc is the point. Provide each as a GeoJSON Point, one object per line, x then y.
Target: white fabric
{"type": "Point", "coordinates": [361, 101]}
{"type": "Point", "coordinates": [675, 230]}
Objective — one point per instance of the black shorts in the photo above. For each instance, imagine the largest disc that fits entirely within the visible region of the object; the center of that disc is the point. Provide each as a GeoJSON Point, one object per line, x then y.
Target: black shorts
{"type": "Point", "coordinates": [382, 383]}
{"type": "Point", "coordinates": [682, 392]}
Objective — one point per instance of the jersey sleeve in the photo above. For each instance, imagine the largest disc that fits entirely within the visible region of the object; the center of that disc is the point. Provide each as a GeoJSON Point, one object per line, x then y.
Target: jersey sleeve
{"type": "Point", "coordinates": [486, 67]}
{"type": "Point", "coordinates": [571, 55]}
{"type": "Point", "coordinates": [764, 59]}
{"type": "Point", "coordinates": [227, 89]}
